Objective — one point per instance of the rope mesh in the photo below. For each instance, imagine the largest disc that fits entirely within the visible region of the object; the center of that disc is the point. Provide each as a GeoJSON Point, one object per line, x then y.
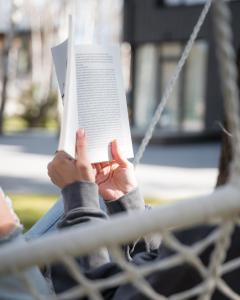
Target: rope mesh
{"type": "Point", "coordinates": [221, 209]}
{"type": "Point", "coordinates": [136, 275]}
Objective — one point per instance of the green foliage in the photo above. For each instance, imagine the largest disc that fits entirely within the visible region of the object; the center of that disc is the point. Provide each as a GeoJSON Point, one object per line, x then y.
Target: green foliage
{"type": "Point", "coordinates": [37, 112]}
{"type": "Point", "coordinates": [30, 208]}
{"type": "Point", "coordinates": [14, 124]}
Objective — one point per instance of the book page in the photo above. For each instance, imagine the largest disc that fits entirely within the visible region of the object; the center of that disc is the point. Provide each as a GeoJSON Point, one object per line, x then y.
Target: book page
{"type": "Point", "coordinates": [59, 54]}
{"type": "Point", "coordinates": [66, 77]}
{"type": "Point", "coordinates": [101, 101]}
{"type": "Point", "coordinates": [65, 64]}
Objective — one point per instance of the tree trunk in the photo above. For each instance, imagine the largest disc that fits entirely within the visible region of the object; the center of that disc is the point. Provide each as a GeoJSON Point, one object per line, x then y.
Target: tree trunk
{"type": "Point", "coordinates": [226, 149]}
{"type": "Point", "coordinates": [3, 97]}
{"type": "Point", "coordinates": [7, 48]}
{"type": "Point", "coordinates": [225, 157]}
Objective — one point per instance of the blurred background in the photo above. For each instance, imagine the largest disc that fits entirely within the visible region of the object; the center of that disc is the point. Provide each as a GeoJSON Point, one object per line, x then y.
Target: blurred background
{"type": "Point", "coordinates": [182, 160]}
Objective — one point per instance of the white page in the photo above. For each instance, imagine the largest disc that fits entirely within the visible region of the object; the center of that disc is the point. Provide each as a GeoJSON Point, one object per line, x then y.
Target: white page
{"type": "Point", "coordinates": [101, 101]}
{"type": "Point", "coordinates": [89, 78]}
{"type": "Point", "coordinates": [59, 54]}
{"type": "Point", "coordinates": [69, 122]}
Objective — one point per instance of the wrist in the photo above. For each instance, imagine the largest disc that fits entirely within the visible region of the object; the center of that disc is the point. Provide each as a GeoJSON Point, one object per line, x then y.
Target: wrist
{"type": "Point", "coordinates": [75, 180]}
{"type": "Point", "coordinates": [118, 194]}
{"type": "Point", "coordinates": [114, 197]}
{"type": "Point", "coordinates": [130, 202]}
{"type": "Point", "coordinates": [89, 179]}
{"type": "Point", "coordinates": [86, 176]}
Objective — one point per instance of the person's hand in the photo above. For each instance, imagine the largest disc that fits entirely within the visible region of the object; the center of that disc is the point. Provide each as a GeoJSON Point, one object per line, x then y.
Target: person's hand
{"type": "Point", "coordinates": [63, 170]}
{"type": "Point", "coordinates": [8, 220]}
{"type": "Point", "coordinates": [116, 178]}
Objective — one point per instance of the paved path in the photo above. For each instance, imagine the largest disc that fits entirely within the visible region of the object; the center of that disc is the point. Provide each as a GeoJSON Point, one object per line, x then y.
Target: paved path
{"type": "Point", "coordinates": [166, 172]}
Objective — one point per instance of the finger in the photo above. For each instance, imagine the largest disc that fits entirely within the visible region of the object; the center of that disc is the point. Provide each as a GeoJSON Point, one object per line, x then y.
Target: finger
{"type": "Point", "coordinates": [117, 155]}
{"type": "Point", "coordinates": [103, 177]}
{"type": "Point", "coordinates": [104, 164]}
{"type": "Point", "coordinates": [81, 146]}
{"type": "Point", "coordinates": [97, 167]}
{"type": "Point", "coordinates": [114, 165]}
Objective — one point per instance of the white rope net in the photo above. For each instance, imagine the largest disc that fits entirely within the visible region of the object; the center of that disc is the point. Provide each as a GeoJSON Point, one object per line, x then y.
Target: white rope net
{"type": "Point", "coordinates": [220, 210]}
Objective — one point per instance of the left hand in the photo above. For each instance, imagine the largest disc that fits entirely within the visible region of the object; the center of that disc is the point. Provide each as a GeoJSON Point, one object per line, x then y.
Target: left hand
{"type": "Point", "coordinates": [115, 178]}
{"type": "Point", "coordinates": [63, 170]}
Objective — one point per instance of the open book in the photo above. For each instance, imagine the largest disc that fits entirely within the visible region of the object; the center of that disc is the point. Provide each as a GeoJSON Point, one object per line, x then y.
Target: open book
{"type": "Point", "coordinates": [90, 82]}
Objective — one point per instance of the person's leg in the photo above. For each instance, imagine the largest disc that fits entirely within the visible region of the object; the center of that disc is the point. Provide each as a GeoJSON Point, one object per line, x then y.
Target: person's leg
{"type": "Point", "coordinates": [47, 223]}
{"type": "Point", "coordinates": [12, 286]}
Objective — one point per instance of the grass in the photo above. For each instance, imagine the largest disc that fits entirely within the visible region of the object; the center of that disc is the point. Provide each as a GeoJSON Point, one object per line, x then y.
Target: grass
{"type": "Point", "coordinates": [52, 125]}
{"type": "Point", "coordinates": [18, 124]}
{"type": "Point", "coordinates": [31, 208]}
{"type": "Point", "coordinates": [159, 201]}
{"type": "Point", "coordinates": [14, 124]}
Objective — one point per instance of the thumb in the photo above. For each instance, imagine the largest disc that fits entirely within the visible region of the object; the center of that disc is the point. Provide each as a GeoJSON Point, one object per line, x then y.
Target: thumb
{"type": "Point", "coordinates": [117, 155]}
{"type": "Point", "coordinates": [81, 145]}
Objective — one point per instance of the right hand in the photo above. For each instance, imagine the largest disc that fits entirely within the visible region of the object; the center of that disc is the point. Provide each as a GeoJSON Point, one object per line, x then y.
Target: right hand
{"type": "Point", "coordinates": [115, 178]}
{"type": "Point", "coordinates": [63, 170]}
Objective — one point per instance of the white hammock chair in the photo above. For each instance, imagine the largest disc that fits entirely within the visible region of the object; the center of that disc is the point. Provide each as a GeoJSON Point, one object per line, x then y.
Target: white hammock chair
{"type": "Point", "coordinates": [222, 208]}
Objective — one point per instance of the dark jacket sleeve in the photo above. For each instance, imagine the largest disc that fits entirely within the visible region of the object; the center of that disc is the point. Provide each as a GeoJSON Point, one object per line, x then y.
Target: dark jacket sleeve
{"type": "Point", "coordinates": [128, 204]}
{"type": "Point", "coordinates": [81, 205]}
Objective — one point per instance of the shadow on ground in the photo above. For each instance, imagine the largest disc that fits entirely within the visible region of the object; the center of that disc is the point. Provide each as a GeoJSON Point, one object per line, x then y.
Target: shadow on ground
{"type": "Point", "coordinates": [26, 185]}
{"type": "Point", "coordinates": [32, 141]}
{"type": "Point", "coordinates": [182, 156]}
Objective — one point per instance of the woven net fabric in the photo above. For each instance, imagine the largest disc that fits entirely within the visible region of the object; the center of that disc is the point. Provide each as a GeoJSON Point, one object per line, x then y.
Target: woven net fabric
{"type": "Point", "coordinates": [220, 211]}
{"type": "Point", "coordinates": [67, 246]}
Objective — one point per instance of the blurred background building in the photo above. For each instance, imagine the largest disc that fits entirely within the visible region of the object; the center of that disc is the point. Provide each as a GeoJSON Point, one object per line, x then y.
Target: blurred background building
{"type": "Point", "coordinates": [152, 34]}
{"type": "Point", "coordinates": [28, 30]}
{"type": "Point", "coordinates": [157, 32]}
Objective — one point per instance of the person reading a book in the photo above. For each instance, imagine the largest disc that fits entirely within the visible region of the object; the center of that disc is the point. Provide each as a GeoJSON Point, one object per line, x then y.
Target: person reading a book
{"type": "Point", "coordinates": [80, 182]}
{"type": "Point", "coordinates": [115, 181]}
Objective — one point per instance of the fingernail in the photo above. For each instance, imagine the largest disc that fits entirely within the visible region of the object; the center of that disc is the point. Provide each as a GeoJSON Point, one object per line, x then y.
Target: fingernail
{"type": "Point", "coordinates": [81, 132]}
